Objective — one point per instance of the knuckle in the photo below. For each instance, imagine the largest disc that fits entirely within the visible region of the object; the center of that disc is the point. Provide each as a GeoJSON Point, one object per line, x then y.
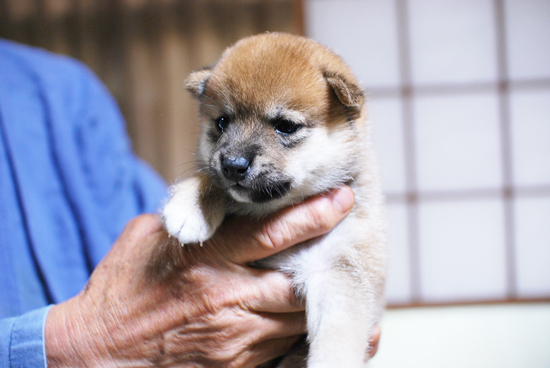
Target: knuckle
{"type": "Point", "coordinates": [320, 217]}
{"type": "Point", "coordinates": [294, 298]}
{"type": "Point", "coordinates": [228, 348]}
{"type": "Point", "coordinates": [144, 219]}
{"type": "Point", "coordinates": [144, 224]}
{"type": "Point", "coordinates": [134, 223]}
{"type": "Point", "coordinates": [272, 235]}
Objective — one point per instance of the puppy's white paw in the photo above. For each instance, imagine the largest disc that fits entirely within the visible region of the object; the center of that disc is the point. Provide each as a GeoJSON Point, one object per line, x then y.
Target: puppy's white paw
{"type": "Point", "coordinates": [184, 217]}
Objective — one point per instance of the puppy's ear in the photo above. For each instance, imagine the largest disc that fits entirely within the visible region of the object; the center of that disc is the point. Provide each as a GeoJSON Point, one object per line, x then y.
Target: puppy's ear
{"type": "Point", "coordinates": [348, 93]}
{"type": "Point", "coordinates": [196, 81]}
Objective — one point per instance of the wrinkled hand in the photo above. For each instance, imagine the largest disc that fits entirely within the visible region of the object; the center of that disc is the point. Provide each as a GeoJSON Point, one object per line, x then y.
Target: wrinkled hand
{"type": "Point", "coordinates": [151, 302]}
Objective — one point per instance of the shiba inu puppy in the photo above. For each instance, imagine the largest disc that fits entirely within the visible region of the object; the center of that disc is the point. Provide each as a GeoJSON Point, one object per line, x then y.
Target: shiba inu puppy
{"type": "Point", "coordinates": [283, 118]}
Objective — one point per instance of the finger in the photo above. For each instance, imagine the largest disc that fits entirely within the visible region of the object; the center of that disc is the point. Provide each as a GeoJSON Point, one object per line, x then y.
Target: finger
{"type": "Point", "coordinates": [277, 325]}
{"type": "Point", "coordinates": [273, 293]}
{"type": "Point", "coordinates": [374, 341]}
{"type": "Point", "coordinates": [289, 226]}
{"type": "Point", "coordinates": [268, 350]}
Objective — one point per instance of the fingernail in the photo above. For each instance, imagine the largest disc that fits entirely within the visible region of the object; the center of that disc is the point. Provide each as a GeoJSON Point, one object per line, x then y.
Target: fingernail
{"type": "Point", "coordinates": [343, 199]}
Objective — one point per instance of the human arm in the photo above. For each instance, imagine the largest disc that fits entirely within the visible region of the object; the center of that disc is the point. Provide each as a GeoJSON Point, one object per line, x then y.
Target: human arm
{"type": "Point", "coordinates": [151, 302]}
{"type": "Point", "coordinates": [69, 181]}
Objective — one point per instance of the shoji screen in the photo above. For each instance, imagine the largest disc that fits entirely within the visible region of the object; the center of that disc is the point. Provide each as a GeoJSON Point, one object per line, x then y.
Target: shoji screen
{"type": "Point", "coordinates": [459, 95]}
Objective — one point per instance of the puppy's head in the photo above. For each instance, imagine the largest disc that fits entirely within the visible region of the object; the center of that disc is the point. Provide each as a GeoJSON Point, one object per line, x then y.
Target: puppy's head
{"type": "Point", "coordinates": [282, 119]}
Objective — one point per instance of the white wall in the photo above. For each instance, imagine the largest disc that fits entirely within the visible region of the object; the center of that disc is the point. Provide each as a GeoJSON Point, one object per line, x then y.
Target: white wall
{"type": "Point", "coordinates": [460, 101]}
{"type": "Point", "coordinates": [478, 336]}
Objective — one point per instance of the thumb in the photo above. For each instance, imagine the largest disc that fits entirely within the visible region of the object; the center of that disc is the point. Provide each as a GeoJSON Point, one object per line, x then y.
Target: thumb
{"type": "Point", "coordinates": [245, 241]}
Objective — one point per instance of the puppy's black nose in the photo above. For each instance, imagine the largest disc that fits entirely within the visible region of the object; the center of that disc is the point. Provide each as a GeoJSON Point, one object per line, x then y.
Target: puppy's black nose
{"type": "Point", "coordinates": [235, 168]}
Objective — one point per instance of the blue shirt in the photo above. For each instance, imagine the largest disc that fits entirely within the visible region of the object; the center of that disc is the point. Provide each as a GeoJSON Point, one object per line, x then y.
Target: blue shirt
{"type": "Point", "coordinates": [69, 182]}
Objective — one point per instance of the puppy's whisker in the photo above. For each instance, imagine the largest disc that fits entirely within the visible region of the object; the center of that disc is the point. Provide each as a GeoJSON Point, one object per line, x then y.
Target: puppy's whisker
{"type": "Point", "coordinates": [197, 166]}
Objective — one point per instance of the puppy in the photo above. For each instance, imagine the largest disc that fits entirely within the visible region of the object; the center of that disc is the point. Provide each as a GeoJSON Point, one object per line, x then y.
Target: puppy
{"type": "Point", "coordinates": [283, 118]}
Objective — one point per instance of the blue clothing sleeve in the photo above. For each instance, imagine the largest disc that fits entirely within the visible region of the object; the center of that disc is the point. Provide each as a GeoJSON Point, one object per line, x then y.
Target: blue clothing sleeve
{"type": "Point", "coordinates": [25, 348]}
{"type": "Point", "coordinates": [69, 182]}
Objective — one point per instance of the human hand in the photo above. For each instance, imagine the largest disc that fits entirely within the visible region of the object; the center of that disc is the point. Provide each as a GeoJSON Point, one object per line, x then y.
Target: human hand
{"type": "Point", "coordinates": [151, 302]}
{"type": "Point", "coordinates": [374, 341]}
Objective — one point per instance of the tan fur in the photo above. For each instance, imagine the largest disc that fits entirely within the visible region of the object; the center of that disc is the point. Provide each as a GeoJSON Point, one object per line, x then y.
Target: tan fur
{"type": "Point", "coordinates": [252, 102]}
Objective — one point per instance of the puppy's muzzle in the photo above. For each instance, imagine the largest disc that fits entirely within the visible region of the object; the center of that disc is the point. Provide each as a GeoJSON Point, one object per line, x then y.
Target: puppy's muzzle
{"type": "Point", "coordinates": [235, 168]}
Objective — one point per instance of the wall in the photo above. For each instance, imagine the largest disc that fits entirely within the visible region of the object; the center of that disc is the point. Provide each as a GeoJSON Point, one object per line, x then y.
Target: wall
{"type": "Point", "coordinates": [460, 102]}
{"type": "Point", "coordinates": [143, 50]}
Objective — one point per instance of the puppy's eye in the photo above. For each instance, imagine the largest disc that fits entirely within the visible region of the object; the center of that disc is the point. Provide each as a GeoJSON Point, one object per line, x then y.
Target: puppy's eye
{"type": "Point", "coordinates": [222, 122]}
{"type": "Point", "coordinates": [286, 127]}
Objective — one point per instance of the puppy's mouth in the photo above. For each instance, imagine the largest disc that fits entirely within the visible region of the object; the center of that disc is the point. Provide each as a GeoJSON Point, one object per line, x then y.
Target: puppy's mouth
{"type": "Point", "coordinates": [249, 180]}
{"type": "Point", "coordinates": [261, 194]}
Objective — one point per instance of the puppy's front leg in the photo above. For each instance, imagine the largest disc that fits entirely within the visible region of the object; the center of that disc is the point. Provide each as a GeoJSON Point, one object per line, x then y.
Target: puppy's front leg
{"type": "Point", "coordinates": [340, 277]}
{"type": "Point", "coordinates": [340, 318]}
{"type": "Point", "coordinates": [195, 210]}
